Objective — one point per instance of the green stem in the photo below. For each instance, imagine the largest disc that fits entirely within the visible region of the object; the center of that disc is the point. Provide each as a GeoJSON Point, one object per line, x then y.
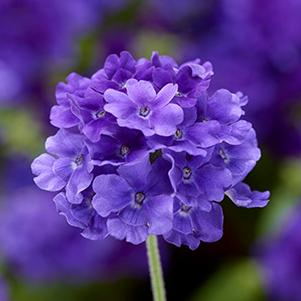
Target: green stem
{"type": "Point", "coordinates": [155, 269]}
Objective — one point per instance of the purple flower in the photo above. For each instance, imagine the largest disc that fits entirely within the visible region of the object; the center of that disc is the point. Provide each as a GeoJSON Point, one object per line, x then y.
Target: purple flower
{"type": "Point", "coordinates": [144, 109]}
{"type": "Point", "coordinates": [141, 198]}
{"type": "Point", "coordinates": [94, 120]}
{"type": "Point", "coordinates": [191, 225]}
{"type": "Point", "coordinates": [238, 159]}
{"type": "Point", "coordinates": [67, 164]}
{"type": "Point", "coordinates": [143, 149]}
{"type": "Point", "coordinates": [82, 215]}
{"type": "Point", "coordinates": [117, 70]}
{"type": "Point", "coordinates": [194, 179]}
{"type": "Point", "coordinates": [180, 140]}
{"type": "Point", "coordinates": [61, 115]}
{"type": "Point", "coordinates": [123, 145]}
{"type": "Point", "coordinates": [192, 78]}
{"type": "Point", "coordinates": [242, 196]}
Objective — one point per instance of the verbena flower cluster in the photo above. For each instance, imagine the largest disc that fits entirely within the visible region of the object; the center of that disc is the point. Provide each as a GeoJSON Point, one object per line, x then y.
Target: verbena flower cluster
{"type": "Point", "coordinates": [142, 149]}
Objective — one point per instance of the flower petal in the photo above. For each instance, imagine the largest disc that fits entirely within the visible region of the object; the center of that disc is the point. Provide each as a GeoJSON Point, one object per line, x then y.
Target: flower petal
{"type": "Point", "coordinates": [205, 134]}
{"type": "Point", "coordinates": [45, 178]}
{"type": "Point", "coordinates": [160, 214]}
{"type": "Point", "coordinates": [64, 208]}
{"type": "Point", "coordinates": [119, 104]}
{"type": "Point", "coordinates": [64, 143]}
{"type": "Point", "coordinates": [165, 120]}
{"type": "Point", "coordinates": [62, 117]}
{"type": "Point", "coordinates": [242, 196]}
{"type": "Point", "coordinates": [136, 173]}
{"type": "Point", "coordinates": [140, 92]}
{"type": "Point", "coordinates": [212, 181]}
{"type": "Point", "coordinates": [165, 95]}
{"type": "Point", "coordinates": [113, 193]}
{"type": "Point", "coordinates": [97, 228]}
{"type": "Point", "coordinates": [62, 167]}
{"type": "Point", "coordinates": [120, 230]}
{"type": "Point", "coordinates": [224, 107]}
{"type": "Point", "coordinates": [78, 182]}
{"type": "Point", "coordinates": [179, 239]}
{"type": "Point", "coordinates": [208, 226]}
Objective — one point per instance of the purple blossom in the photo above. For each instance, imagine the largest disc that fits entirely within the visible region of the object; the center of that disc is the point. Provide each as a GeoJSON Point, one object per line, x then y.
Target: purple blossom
{"type": "Point", "coordinates": [194, 179]}
{"type": "Point", "coordinates": [142, 199]}
{"type": "Point", "coordinates": [82, 216]}
{"type": "Point", "coordinates": [123, 145]}
{"type": "Point", "coordinates": [144, 149]}
{"type": "Point", "coordinates": [67, 164]}
{"type": "Point", "coordinates": [242, 196]}
{"type": "Point", "coordinates": [192, 224]}
{"type": "Point", "coordinates": [238, 159]}
{"type": "Point", "coordinates": [61, 115]}
{"type": "Point", "coordinates": [181, 140]}
{"type": "Point", "coordinates": [117, 70]}
{"type": "Point", "coordinates": [94, 119]}
{"type": "Point", "coordinates": [192, 78]}
{"type": "Point", "coordinates": [144, 109]}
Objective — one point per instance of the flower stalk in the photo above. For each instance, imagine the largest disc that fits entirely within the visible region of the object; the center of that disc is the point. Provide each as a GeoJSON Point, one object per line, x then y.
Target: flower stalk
{"type": "Point", "coordinates": [155, 268]}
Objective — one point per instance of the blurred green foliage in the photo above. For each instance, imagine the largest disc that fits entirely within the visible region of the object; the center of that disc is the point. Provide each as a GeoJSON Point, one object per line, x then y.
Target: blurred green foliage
{"type": "Point", "coordinates": [118, 291]}
{"type": "Point", "coordinates": [147, 41]}
{"type": "Point", "coordinates": [235, 281]}
{"type": "Point", "coordinates": [20, 132]}
{"type": "Point", "coordinates": [284, 195]}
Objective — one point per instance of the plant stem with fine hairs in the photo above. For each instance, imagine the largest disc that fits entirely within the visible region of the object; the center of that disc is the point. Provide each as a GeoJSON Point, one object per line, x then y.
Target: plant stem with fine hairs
{"type": "Point", "coordinates": [155, 268]}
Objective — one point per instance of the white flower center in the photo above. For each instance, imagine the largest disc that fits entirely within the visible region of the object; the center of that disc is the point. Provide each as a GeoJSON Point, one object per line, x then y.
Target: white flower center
{"type": "Point", "coordinates": [144, 111]}
{"type": "Point", "coordinates": [187, 173]}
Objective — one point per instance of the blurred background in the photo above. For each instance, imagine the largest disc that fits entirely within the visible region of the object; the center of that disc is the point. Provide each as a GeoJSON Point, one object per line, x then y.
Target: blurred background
{"type": "Point", "coordinates": [255, 47]}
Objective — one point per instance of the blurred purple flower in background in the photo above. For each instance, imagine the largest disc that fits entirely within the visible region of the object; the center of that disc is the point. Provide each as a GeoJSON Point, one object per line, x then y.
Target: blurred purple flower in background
{"type": "Point", "coordinates": [37, 36]}
{"type": "Point", "coordinates": [194, 150]}
{"type": "Point", "coordinates": [176, 16]}
{"type": "Point", "coordinates": [280, 259]}
{"type": "Point", "coordinates": [268, 27]}
{"type": "Point", "coordinates": [4, 294]}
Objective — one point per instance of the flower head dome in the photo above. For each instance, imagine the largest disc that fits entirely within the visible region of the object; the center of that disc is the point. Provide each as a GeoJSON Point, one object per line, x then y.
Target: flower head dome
{"type": "Point", "coordinates": [143, 149]}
